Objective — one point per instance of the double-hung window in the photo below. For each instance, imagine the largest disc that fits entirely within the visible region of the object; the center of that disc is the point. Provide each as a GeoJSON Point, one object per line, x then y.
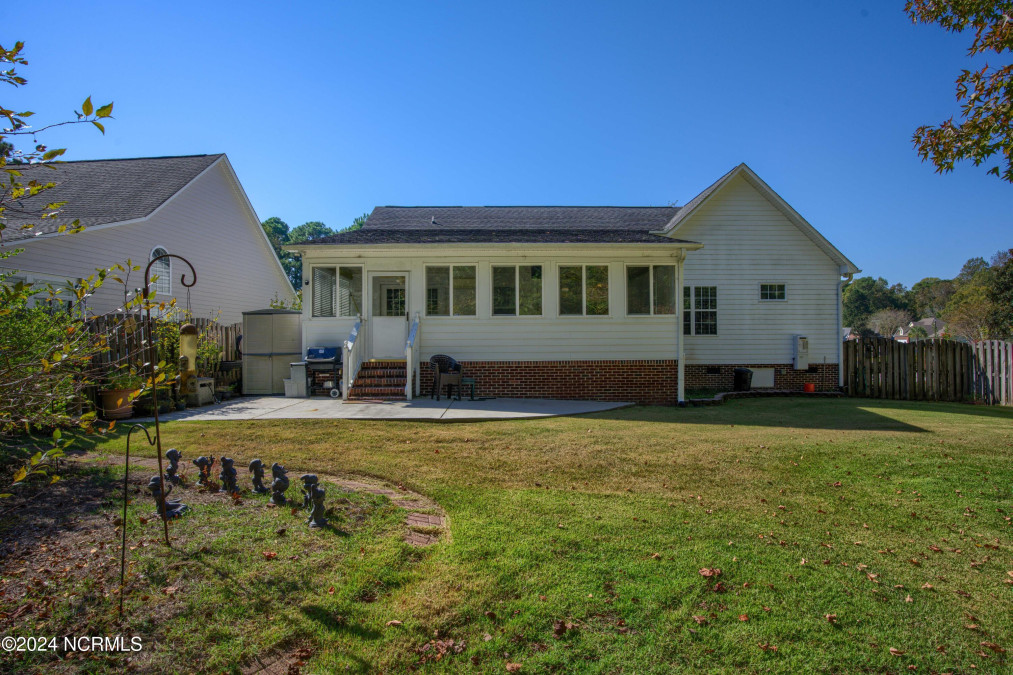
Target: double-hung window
{"type": "Point", "coordinates": [700, 310]}
{"type": "Point", "coordinates": [650, 290]}
{"type": "Point", "coordinates": [516, 290]}
{"type": "Point", "coordinates": [773, 292]}
{"type": "Point", "coordinates": [337, 291]}
{"type": "Point", "coordinates": [583, 290]}
{"type": "Point", "coordinates": [450, 290]}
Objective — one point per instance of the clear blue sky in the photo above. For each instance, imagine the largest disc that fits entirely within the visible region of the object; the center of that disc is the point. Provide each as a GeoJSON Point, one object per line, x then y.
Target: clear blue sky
{"type": "Point", "coordinates": [327, 109]}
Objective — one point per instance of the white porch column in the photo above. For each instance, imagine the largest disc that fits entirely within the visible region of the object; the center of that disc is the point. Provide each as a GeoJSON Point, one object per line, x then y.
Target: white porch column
{"type": "Point", "coordinates": [679, 303]}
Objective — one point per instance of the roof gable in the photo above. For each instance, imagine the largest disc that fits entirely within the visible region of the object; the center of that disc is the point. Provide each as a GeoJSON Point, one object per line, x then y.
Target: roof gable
{"type": "Point", "coordinates": [685, 213]}
{"type": "Point", "coordinates": [100, 192]}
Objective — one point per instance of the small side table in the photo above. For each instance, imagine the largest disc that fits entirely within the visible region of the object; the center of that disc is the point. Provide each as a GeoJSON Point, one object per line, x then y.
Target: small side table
{"type": "Point", "coordinates": [471, 382]}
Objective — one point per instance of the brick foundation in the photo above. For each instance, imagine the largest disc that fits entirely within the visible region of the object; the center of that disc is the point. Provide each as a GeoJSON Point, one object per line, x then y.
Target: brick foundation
{"type": "Point", "coordinates": [785, 376]}
{"type": "Point", "coordinates": [643, 381]}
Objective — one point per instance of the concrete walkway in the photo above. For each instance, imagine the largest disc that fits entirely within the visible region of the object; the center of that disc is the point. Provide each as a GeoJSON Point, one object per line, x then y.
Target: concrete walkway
{"type": "Point", "coordinates": [280, 408]}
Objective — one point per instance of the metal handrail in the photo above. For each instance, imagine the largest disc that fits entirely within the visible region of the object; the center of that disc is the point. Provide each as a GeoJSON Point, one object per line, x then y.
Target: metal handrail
{"type": "Point", "coordinates": [351, 360]}
{"type": "Point", "coordinates": [409, 353]}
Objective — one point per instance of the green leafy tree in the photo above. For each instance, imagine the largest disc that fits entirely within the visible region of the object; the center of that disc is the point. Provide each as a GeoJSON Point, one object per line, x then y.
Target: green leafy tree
{"type": "Point", "coordinates": [986, 94]}
{"type": "Point", "coordinates": [970, 270]}
{"type": "Point", "coordinates": [865, 296]}
{"type": "Point", "coordinates": [357, 223]}
{"type": "Point", "coordinates": [309, 232]}
{"type": "Point", "coordinates": [930, 295]}
{"type": "Point", "coordinates": [1000, 294]}
{"type": "Point", "coordinates": [917, 333]}
{"type": "Point", "coordinates": [277, 232]}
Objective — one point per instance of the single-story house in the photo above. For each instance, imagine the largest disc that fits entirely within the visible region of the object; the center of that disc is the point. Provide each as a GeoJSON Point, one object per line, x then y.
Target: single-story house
{"type": "Point", "coordinates": [193, 206]}
{"type": "Point", "coordinates": [608, 303]}
{"type": "Point", "coordinates": [934, 328]}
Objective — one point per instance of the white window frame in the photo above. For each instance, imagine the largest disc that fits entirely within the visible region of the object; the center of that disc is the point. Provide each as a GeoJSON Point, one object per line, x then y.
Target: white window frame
{"type": "Point", "coordinates": [691, 312]}
{"type": "Point", "coordinates": [626, 288]}
{"type": "Point", "coordinates": [759, 291]}
{"type": "Point", "coordinates": [583, 291]}
{"type": "Point", "coordinates": [451, 266]}
{"type": "Point", "coordinates": [517, 290]}
{"type": "Point", "coordinates": [157, 285]}
{"type": "Point", "coordinates": [337, 281]}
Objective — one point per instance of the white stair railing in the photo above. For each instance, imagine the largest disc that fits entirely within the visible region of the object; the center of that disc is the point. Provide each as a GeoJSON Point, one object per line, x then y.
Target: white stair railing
{"type": "Point", "coordinates": [351, 359]}
{"type": "Point", "coordinates": [409, 357]}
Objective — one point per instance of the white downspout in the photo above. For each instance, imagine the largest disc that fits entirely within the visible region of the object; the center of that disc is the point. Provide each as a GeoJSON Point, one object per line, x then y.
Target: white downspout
{"type": "Point", "coordinates": [681, 354]}
{"type": "Point", "coordinates": [840, 338]}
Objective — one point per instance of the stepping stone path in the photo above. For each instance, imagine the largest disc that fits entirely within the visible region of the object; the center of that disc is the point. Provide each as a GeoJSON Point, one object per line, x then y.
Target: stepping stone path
{"type": "Point", "coordinates": [425, 522]}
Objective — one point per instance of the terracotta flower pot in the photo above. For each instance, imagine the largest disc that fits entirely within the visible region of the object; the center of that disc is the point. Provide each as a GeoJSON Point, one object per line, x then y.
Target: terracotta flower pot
{"type": "Point", "coordinates": [116, 404]}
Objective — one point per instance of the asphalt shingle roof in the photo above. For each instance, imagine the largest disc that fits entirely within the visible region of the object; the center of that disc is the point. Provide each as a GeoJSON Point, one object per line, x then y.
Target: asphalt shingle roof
{"type": "Point", "coordinates": [100, 191]}
{"type": "Point", "coordinates": [509, 224]}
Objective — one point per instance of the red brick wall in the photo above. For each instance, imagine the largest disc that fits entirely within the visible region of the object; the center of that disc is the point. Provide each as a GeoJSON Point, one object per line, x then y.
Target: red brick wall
{"type": "Point", "coordinates": [785, 376]}
{"type": "Point", "coordinates": [645, 382]}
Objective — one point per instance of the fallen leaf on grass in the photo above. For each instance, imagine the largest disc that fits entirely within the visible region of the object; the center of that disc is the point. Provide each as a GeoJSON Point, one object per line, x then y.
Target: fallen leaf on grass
{"type": "Point", "coordinates": [511, 667]}
{"type": "Point", "coordinates": [269, 555]}
{"type": "Point", "coordinates": [767, 647]}
{"type": "Point", "coordinates": [743, 617]}
{"type": "Point", "coordinates": [330, 591]}
{"type": "Point", "coordinates": [927, 586]}
{"type": "Point", "coordinates": [710, 572]}
{"type": "Point", "coordinates": [170, 590]}
{"type": "Point", "coordinates": [994, 647]}
{"type": "Point", "coordinates": [702, 620]}
{"type": "Point", "coordinates": [393, 622]}
{"type": "Point", "coordinates": [832, 618]}
{"type": "Point", "coordinates": [896, 652]}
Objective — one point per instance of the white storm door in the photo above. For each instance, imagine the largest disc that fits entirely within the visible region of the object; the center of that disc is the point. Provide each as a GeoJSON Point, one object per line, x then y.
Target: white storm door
{"type": "Point", "coordinates": [388, 322]}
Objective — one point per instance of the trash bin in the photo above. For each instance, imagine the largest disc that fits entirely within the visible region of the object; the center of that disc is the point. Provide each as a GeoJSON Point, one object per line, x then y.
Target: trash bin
{"type": "Point", "coordinates": [743, 380]}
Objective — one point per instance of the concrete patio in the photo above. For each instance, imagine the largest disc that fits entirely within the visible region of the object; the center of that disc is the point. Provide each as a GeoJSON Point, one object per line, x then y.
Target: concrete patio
{"type": "Point", "coordinates": [444, 410]}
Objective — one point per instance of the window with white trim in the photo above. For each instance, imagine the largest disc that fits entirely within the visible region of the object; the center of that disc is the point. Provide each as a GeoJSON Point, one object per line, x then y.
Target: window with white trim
{"type": "Point", "coordinates": [773, 292]}
{"type": "Point", "coordinates": [650, 290]}
{"type": "Point", "coordinates": [516, 290]}
{"type": "Point", "coordinates": [450, 290]}
{"type": "Point", "coordinates": [337, 291]}
{"type": "Point", "coordinates": [583, 290]}
{"type": "Point", "coordinates": [162, 271]}
{"type": "Point", "coordinates": [700, 310]}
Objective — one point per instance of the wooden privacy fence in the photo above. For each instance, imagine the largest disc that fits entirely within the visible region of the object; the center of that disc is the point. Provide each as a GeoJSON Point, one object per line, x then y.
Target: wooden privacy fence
{"type": "Point", "coordinates": [929, 370]}
{"type": "Point", "coordinates": [127, 337]}
{"type": "Point", "coordinates": [993, 372]}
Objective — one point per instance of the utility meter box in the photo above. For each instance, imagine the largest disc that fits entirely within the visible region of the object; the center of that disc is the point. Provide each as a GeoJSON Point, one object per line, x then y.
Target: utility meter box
{"type": "Point", "coordinates": [801, 352]}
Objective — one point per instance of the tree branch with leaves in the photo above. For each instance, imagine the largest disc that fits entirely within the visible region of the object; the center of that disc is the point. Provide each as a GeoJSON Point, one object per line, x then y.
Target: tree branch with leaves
{"type": "Point", "coordinates": [986, 94]}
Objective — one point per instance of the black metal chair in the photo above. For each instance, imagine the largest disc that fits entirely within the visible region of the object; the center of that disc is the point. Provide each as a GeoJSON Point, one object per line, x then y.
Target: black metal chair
{"type": "Point", "coordinates": [446, 373]}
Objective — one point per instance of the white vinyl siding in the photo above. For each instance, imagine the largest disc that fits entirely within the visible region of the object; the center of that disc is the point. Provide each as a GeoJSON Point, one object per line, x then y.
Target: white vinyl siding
{"type": "Point", "coordinates": [208, 223]}
{"type": "Point", "coordinates": [747, 241]}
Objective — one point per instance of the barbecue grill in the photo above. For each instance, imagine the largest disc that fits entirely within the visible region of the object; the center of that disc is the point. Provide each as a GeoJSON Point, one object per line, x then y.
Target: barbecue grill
{"type": "Point", "coordinates": [323, 359]}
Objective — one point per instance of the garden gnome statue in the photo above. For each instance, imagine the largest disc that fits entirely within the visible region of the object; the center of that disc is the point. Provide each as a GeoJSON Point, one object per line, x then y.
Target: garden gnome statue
{"type": "Point", "coordinates": [317, 495]}
{"type": "Point", "coordinates": [228, 476]}
{"type": "Point", "coordinates": [204, 464]}
{"type": "Point", "coordinates": [172, 471]}
{"type": "Point", "coordinates": [308, 481]}
{"type": "Point", "coordinates": [279, 485]}
{"type": "Point", "coordinates": [257, 469]}
{"type": "Point", "coordinates": [171, 507]}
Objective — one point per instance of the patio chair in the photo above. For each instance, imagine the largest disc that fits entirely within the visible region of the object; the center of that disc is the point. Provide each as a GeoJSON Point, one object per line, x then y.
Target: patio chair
{"type": "Point", "coordinates": [446, 373]}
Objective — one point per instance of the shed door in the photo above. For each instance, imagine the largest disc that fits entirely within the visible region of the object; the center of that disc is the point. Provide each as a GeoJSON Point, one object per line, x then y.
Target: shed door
{"type": "Point", "coordinates": [388, 322]}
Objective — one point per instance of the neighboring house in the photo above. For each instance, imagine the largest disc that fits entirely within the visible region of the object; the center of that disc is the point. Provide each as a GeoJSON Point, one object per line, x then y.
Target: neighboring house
{"type": "Point", "coordinates": [193, 206]}
{"type": "Point", "coordinates": [611, 303]}
{"type": "Point", "coordinates": [933, 327]}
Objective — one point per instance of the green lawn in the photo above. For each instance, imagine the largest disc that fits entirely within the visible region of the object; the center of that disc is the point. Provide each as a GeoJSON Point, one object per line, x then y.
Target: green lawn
{"type": "Point", "coordinates": [891, 518]}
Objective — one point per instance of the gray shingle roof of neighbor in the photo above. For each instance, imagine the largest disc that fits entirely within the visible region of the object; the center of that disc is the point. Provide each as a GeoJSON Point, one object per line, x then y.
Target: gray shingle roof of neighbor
{"type": "Point", "coordinates": [100, 191]}
{"type": "Point", "coordinates": [509, 225]}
